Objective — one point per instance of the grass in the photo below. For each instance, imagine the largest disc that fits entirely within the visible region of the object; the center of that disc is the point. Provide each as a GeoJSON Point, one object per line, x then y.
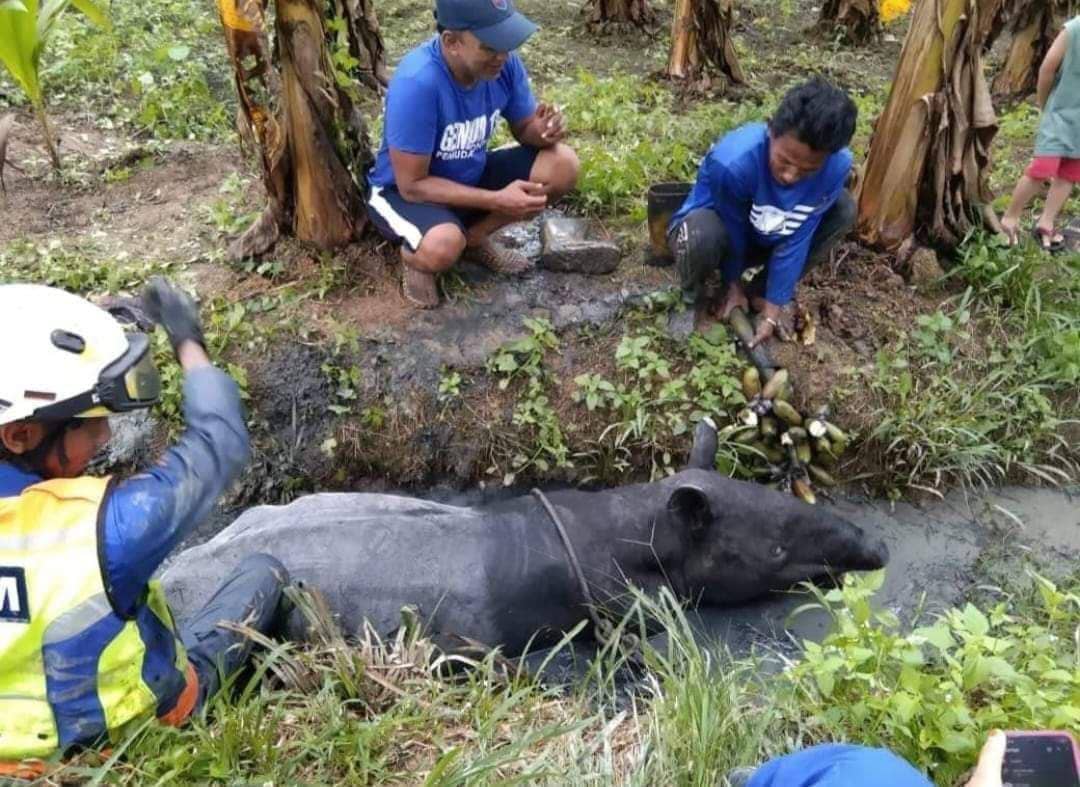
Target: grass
{"type": "Point", "coordinates": [373, 711]}
{"type": "Point", "coordinates": [986, 389]}
{"type": "Point", "coordinates": [161, 69]}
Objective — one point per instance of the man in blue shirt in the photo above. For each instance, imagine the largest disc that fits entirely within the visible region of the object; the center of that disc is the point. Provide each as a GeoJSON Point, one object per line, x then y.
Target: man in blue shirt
{"type": "Point", "coordinates": [769, 193]}
{"type": "Point", "coordinates": [434, 188]}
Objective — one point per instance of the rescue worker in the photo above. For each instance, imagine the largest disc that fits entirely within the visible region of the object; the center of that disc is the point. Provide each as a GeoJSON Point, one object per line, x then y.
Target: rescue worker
{"type": "Point", "coordinates": [88, 646]}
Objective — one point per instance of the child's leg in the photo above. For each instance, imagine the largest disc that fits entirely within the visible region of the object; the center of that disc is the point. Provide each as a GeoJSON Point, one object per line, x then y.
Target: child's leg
{"type": "Point", "coordinates": [1024, 192]}
{"type": "Point", "coordinates": [1060, 189]}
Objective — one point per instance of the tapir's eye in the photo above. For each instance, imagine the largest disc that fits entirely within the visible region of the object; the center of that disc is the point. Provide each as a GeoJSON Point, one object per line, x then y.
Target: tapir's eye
{"type": "Point", "coordinates": [777, 551]}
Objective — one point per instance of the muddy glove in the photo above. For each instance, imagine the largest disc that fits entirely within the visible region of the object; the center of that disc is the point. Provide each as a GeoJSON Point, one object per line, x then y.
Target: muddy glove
{"type": "Point", "coordinates": [174, 310]}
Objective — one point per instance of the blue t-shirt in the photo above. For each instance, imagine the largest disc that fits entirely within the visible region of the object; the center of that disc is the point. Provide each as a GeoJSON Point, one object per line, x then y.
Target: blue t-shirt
{"type": "Point", "coordinates": [838, 765]}
{"type": "Point", "coordinates": [735, 181]}
{"type": "Point", "coordinates": [429, 113]}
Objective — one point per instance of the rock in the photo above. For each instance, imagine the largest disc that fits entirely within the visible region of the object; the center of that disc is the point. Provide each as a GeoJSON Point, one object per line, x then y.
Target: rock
{"type": "Point", "coordinates": [924, 270]}
{"type": "Point", "coordinates": [566, 247]}
{"type": "Point", "coordinates": [680, 325]}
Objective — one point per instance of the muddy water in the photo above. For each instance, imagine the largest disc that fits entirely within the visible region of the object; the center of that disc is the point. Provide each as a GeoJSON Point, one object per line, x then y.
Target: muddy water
{"type": "Point", "coordinates": [939, 553]}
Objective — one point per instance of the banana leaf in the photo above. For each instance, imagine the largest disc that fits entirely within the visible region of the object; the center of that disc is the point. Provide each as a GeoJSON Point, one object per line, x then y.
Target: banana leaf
{"type": "Point", "coordinates": [929, 158]}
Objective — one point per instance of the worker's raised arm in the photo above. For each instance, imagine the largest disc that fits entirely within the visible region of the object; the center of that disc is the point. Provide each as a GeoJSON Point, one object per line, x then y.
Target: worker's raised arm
{"type": "Point", "coordinates": [147, 515]}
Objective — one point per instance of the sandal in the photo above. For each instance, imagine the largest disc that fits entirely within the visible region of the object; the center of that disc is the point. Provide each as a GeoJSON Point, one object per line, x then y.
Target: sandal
{"type": "Point", "coordinates": [419, 288]}
{"type": "Point", "coordinates": [499, 258]}
{"type": "Point", "coordinates": [1048, 240]}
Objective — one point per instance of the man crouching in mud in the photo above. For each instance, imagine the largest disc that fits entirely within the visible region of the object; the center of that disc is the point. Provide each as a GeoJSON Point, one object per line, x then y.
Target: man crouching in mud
{"type": "Point", "coordinates": [435, 189]}
{"type": "Point", "coordinates": [769, 193]}
{"type": "Point", "coordinates": [88, 645]}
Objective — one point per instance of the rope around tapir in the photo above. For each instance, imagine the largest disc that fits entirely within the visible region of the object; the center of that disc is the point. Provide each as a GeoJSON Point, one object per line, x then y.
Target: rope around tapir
{"type": "Point", "coordinates": [604, 631]}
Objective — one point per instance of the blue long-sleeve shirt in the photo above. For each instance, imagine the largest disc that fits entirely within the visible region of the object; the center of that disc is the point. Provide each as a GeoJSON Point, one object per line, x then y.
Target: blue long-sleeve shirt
{"type": "Point", "coordinates": [735, 181]}
{"type": "Point", "coordinates": [147, 515]}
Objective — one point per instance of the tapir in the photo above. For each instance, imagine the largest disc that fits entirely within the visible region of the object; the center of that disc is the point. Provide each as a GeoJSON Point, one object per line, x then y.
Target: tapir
{"type": "Point", "coordinates": [501, 574]}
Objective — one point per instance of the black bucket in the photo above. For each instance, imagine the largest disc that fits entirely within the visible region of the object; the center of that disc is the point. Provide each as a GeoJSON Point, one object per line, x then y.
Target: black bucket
{"type": "Point", "coordinates": [664, 200]}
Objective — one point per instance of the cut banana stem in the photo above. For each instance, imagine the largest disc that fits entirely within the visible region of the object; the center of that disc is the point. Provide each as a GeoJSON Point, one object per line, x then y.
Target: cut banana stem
{"type": "Point", "coordinates": [836, 436]}
{"type": "Point", "coordinates": [798, 434]}
{"type": "Point", "coordinates": [751, 382]}
{"type": "Point", "coordinates": [776, 382]}
{"type": "Point", "coordinates": [745, 436]}
{"type": "Point", "coordinates": [774, 454]}
{"type": "Point", "coordinates": [748, 417]}
{"type": "Point", "coordinates": [820, 476]}
{"type": "Point", "coordinates": [816, 428]}
{"type": "Point", "coordinates": [786, 412]}
{"type": "Point", "coordinates": [803, 491]}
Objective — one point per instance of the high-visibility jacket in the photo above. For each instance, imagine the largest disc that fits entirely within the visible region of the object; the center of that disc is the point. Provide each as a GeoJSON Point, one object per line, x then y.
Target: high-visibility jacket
{"type": "Point", "coordinates": [73, 670]}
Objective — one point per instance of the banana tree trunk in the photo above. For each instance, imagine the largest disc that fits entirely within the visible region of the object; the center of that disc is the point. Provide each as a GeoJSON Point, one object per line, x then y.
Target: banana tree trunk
{"type": "Point", "coordinates": [929, 158]}
{"type": "Point", "coordinates": [1033, 24]}
{"type": "Point", "coordinates": [312, 140]}
{"type": "Point", "coordinates": [701, 42]}
{"type": "Point", "coordinates": [602, 15]}
{"type": "Point", "coordinates": [858, 19]}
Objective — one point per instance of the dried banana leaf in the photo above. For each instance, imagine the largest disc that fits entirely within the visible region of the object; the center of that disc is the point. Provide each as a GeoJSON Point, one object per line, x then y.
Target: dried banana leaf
{"type": "Point", "coordinates": [301, 114]}
{"type": "Point", "coordinates": [858, 19]}
{"type": "Point", "coordinates": [930, 154]}
{"type": "Point", "coordinates": [603, 15]}
{"type": "Point", "coordinates": [1033, 26]}
{"type": "Point", "coordinates": [701, 43]}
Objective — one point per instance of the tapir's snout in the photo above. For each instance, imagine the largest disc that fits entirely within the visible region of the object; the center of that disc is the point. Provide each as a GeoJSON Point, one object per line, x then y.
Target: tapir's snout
{"type": "Point", "coordinates": [875, 555]}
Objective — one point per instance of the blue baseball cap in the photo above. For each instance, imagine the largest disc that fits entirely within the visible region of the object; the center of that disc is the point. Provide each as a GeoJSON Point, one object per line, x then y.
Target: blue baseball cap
{"type": "Point", "coordinates": [495, 22]}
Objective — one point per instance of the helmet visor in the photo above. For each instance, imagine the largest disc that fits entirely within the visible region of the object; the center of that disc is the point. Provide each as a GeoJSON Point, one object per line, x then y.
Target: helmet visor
{"type": "Point", "coordinates": [132, 382]}
{"type": "Point", "coordinates": [129, 383]}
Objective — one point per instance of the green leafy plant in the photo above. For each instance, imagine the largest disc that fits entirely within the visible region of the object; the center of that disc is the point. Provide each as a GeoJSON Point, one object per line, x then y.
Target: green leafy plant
{"type": "Point", "coordinates": [24, 31]}
{"type": "Point", "coordinates": [933, 693]}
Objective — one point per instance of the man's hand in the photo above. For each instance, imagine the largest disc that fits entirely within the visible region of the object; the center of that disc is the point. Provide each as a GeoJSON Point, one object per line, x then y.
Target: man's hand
{"type": "Point", "coordinates": [991, 758]}
{"type": "Point", "coordinates": [552, 123]}
{"type": "Point", "coordinates": [734, 299]}
{"type": "Point", "coordinates": [768, 322]}
{"type": "Point", "coordinates": [175, 311]}
{"type": "Point", "coordinates": [522, 199]}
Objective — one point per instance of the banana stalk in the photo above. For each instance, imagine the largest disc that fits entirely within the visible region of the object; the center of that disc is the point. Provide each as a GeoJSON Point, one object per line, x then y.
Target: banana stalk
{"type": "Point", "coordinates": [802, 490]}
{"type": "Point", "coordinates": [751, 383]}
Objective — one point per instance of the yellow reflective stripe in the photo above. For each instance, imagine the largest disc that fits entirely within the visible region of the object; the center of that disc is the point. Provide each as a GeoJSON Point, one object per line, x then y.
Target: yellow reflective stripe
{"type": "Point", "coordinates": [123, 694]}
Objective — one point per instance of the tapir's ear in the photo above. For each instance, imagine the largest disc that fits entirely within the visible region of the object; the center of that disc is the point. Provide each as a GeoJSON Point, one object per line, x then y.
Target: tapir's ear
{"type": "Point", "coordinates": [703, 451]}
{"type": "Point", "coordinates": [690, 507]}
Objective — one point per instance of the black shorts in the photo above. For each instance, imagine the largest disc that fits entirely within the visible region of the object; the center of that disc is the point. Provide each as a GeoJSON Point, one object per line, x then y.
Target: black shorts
{"type": "Point", "coordinates": [406, 222]}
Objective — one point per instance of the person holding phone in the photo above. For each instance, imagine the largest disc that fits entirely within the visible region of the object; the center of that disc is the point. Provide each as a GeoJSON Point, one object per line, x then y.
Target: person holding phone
{"type": "Point", "coordinates": [435, 189]}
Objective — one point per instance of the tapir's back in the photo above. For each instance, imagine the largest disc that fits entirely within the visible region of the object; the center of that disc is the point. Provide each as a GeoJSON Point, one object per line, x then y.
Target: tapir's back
{"type": "Point", "coordinates": [369, 554]}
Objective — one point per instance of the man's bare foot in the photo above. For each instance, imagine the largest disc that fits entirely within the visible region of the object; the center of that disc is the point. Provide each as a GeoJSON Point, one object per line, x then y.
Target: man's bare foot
{"type": "Point", "coordinates": [498, 258]}
{"type": "Point", "coordinates": [419, 288]}
{"type": "Point", "coordinates": [757, 303]}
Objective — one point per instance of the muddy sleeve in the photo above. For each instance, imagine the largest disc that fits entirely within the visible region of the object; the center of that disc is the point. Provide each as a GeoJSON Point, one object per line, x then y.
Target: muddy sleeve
{"type": "Point", "coordinates": [147, 515]}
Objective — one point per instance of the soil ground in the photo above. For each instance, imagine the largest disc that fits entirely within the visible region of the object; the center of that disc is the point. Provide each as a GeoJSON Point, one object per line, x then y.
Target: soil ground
{"type": "Point", "coordinates": [315, 315]}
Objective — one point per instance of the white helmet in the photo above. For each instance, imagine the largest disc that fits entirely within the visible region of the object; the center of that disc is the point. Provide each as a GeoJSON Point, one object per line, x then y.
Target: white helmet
{"type": "Point", "coordinates": [62, 357]}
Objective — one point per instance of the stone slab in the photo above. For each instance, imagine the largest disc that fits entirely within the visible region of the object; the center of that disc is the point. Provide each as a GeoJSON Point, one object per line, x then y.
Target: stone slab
{"type": "Point", "coordinates": [566, 246]}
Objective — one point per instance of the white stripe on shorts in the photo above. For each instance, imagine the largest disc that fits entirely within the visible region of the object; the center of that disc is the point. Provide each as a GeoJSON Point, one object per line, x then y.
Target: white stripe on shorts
{"type": "Point", "coordinates": [398, 223]}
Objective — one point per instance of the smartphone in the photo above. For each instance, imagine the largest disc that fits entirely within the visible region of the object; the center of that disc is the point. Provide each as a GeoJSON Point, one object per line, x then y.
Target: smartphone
{"type": "Point", "coordinates": [1040, 759]}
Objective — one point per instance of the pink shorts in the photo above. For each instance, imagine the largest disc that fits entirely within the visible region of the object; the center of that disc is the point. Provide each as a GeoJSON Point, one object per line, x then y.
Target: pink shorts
{"type": "Point", "coordinates": [1050, 167]}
